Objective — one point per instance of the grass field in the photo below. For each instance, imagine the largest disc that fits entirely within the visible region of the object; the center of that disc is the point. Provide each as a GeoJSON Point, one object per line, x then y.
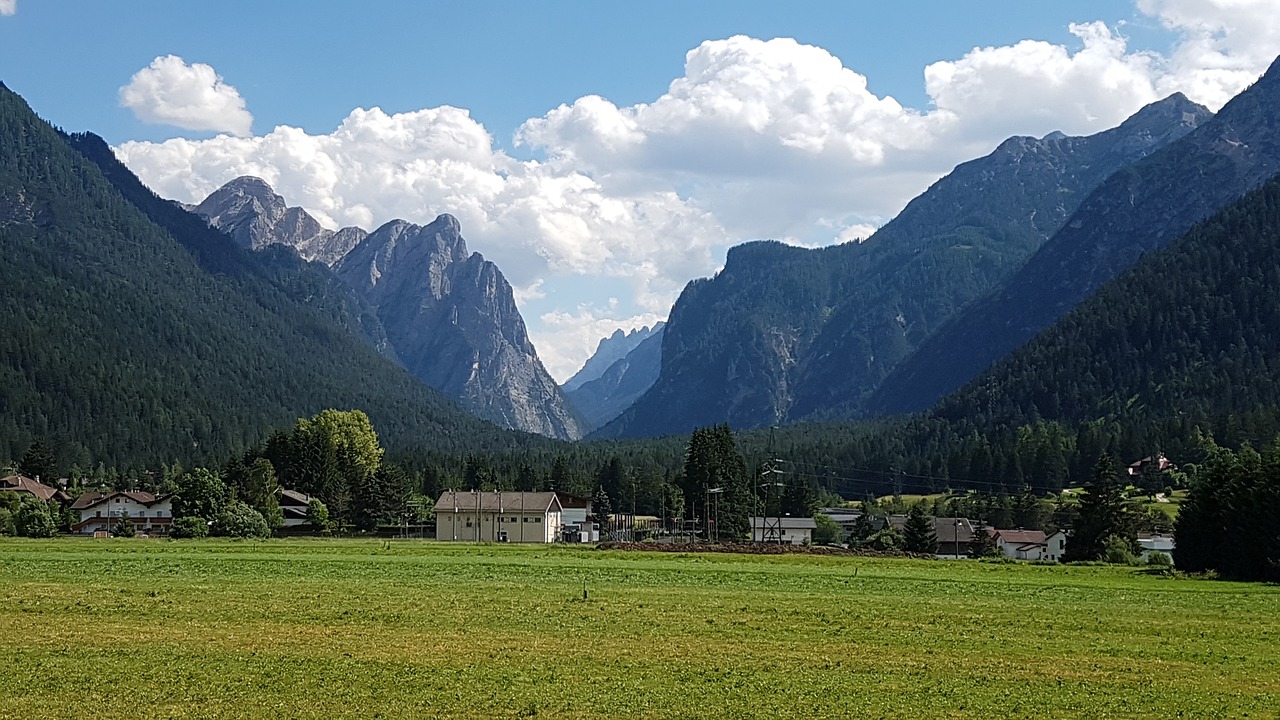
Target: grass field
{"type": "Point", "coordinates": [363, 628]}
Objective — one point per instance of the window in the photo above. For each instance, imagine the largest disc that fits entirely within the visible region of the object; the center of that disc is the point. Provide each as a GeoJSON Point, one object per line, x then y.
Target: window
{"type": "Point", "coordinates": [533, 519]}
{"type": "Point", "coordinates": [468, 522]}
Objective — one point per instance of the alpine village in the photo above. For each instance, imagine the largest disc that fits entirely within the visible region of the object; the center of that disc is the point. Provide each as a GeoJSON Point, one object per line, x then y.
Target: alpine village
{"type": "Point", "coordinates": [1055, 371]}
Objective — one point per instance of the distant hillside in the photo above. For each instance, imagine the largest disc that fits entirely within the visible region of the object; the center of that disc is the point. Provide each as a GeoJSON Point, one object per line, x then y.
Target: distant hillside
{"type": "Point", "coordinates": [609, 351]}
{"type": "Point", "coordinates": [1187, 338]}
{"type": "Point", "coordinates": [605, 397]}
{"type": "Point", "coordinates": [785, 334]}
{"type": "Point", "coordinates": [131, 344]}
{"type": "Point", "coordinates": [1136, 210]}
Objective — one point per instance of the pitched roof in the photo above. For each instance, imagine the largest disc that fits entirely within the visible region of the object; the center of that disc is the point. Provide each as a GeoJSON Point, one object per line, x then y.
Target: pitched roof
{"type": "Point", "coordinates": [574, 501]}
{"type": "Point", "coordinates": [492, 501]}
{"type": "Point", "coordinates": [952, 530]}
{"type": "Point", "coordinates": [293, 497]}
{"type": "Point", "coordinates": [1020, 537]}
{"type": "Point", "coordinates": [24, 484]}
{"type": "Point", "coordinates": [93, 497]}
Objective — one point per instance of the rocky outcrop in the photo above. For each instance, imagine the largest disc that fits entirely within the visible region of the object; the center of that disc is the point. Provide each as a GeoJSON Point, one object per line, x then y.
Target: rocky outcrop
{"type": "Point", "coordinates": [609, 351]}
{"type": "Point", "coordinates": [448, 315]}
{"type": "Point", "coordinates": [253, 214]}
{"type": "Point", "coordinates": [453, 320]}
{"type": "Point", "coordinates": [603, 398]}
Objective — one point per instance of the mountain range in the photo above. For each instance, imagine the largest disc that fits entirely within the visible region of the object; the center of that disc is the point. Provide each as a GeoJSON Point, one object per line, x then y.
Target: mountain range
{"type": "Point", "coordinates": [449, 315]}
{"type": "Point", "coordinates": [785, 334]}
{"type": "Point", "coordinates": [1095, 292]}
{"type": "Point", "coordinates": [1144, 206]}
{"type": "Point", "coordinates": [624, 367]}
{"type": "Point", "coordinates": [137, 334]}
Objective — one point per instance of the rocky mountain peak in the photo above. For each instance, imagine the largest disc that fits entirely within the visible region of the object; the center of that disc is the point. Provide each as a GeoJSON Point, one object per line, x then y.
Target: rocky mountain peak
{"type": "Point", "coordinates": [608, 351]}
{"type": "Point", "coordinates": [253, 214]}
{"type": "Point", "coordinates": [453, 320]}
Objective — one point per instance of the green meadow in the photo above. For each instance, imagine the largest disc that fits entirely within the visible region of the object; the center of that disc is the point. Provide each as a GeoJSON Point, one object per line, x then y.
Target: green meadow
{"type": "Point", "coordinates": [417, 629]}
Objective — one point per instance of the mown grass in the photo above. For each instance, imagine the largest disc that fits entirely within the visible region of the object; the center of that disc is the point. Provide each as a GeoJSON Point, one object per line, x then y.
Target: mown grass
{"type": "Point", "coordinates": [312, 628]}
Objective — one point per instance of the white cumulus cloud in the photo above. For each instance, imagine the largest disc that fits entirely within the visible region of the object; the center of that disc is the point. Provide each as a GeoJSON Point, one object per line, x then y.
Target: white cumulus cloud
{"type": "Point", "coordinates": [1034, 87]}
{"type": "Point", "coordinates": [193, 97]}
{"type": "Point", "coordinates": [8, 7]}
{"type": "Point", "coordinates": [757, 139]}
{"type": "Point", "coordinates": [537, 221]}
{"type": "Point", "coordinates": [1224, 44]}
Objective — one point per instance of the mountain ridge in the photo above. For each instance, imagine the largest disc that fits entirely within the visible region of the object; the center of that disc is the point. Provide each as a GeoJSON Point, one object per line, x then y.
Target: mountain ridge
{"type": "Point", "coordinates": [1138, 209]}
{"type": "Point", "coordinates": [448, 314]}
{"type": "Point", "coordinates": [784, 334]}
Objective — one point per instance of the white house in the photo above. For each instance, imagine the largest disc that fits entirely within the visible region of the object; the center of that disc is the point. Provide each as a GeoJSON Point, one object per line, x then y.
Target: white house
{"type": "Point", "coordinates": [100, 512]}
{"type": "Point", "coordinates": [785, 529]}
{"type": "Point", "coordinates": [495, 516]}
{"type": "Point", "coordinates": [1022, 544]}
{"type": "Point", "coordinates": [1055, 546]}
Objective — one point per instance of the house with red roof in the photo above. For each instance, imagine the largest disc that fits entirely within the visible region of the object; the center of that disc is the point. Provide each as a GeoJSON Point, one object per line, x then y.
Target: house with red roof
{"type": "Point", "coordinates": [1030, 544]}
{"type": "Point", "coordinates": [24, 485]}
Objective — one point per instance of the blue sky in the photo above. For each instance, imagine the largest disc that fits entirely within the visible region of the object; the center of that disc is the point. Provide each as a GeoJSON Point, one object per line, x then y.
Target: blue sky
{"type": "Point", "coordinates": [603, 154]}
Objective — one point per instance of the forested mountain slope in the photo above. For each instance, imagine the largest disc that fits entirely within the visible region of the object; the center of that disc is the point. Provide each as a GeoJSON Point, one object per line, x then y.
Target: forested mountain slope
{"type": "Point", "coordinates": [1140, 208]}
{"type": "Point", "coordinates": [126, 345]}
{"type": "Point", "coordinates": [1189, 337]}
{"type": "Point", "coordinates": [785, 334]}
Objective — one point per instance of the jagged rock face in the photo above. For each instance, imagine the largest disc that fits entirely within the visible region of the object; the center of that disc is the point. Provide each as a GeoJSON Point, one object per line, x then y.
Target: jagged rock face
{"type": "Point", "coordinates": [785, 334]}
{"type": "Point", "coordinates": [609, 351]}
{"type": "Point", "coordinates": [453, 321]}
{"type": "Point", "coordinates": [252, 213]}
{"type": "Point", "coordinates": [603, 398]}
{"type": "Point", "coordinates": [449, 315]}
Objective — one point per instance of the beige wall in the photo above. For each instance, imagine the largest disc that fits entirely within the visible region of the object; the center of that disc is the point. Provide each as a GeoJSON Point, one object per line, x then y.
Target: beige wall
{"type": "Point", "coordinates": [529, 526]}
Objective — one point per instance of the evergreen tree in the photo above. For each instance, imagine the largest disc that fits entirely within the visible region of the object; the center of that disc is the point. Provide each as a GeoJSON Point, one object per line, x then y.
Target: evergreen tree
{"type": "Point", "coordinates": [982, 545]}
{"type": "Point", "coordinates": [919, 535]}
{"type": "Point", "coordinates": [715, 482]}
{"type": "Point", "coordinates": [124, 526]}
{"type": "Point", "coordinates": [39, 463]}
{"type": "Point", "coordinates": [1103, 512]}
{"type": "Point", "coordinates": [1233, 495]}
{"type": "Point", "coordinates": [602, 508]}
{"type": "Point", "coordinates": [380, 500]}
